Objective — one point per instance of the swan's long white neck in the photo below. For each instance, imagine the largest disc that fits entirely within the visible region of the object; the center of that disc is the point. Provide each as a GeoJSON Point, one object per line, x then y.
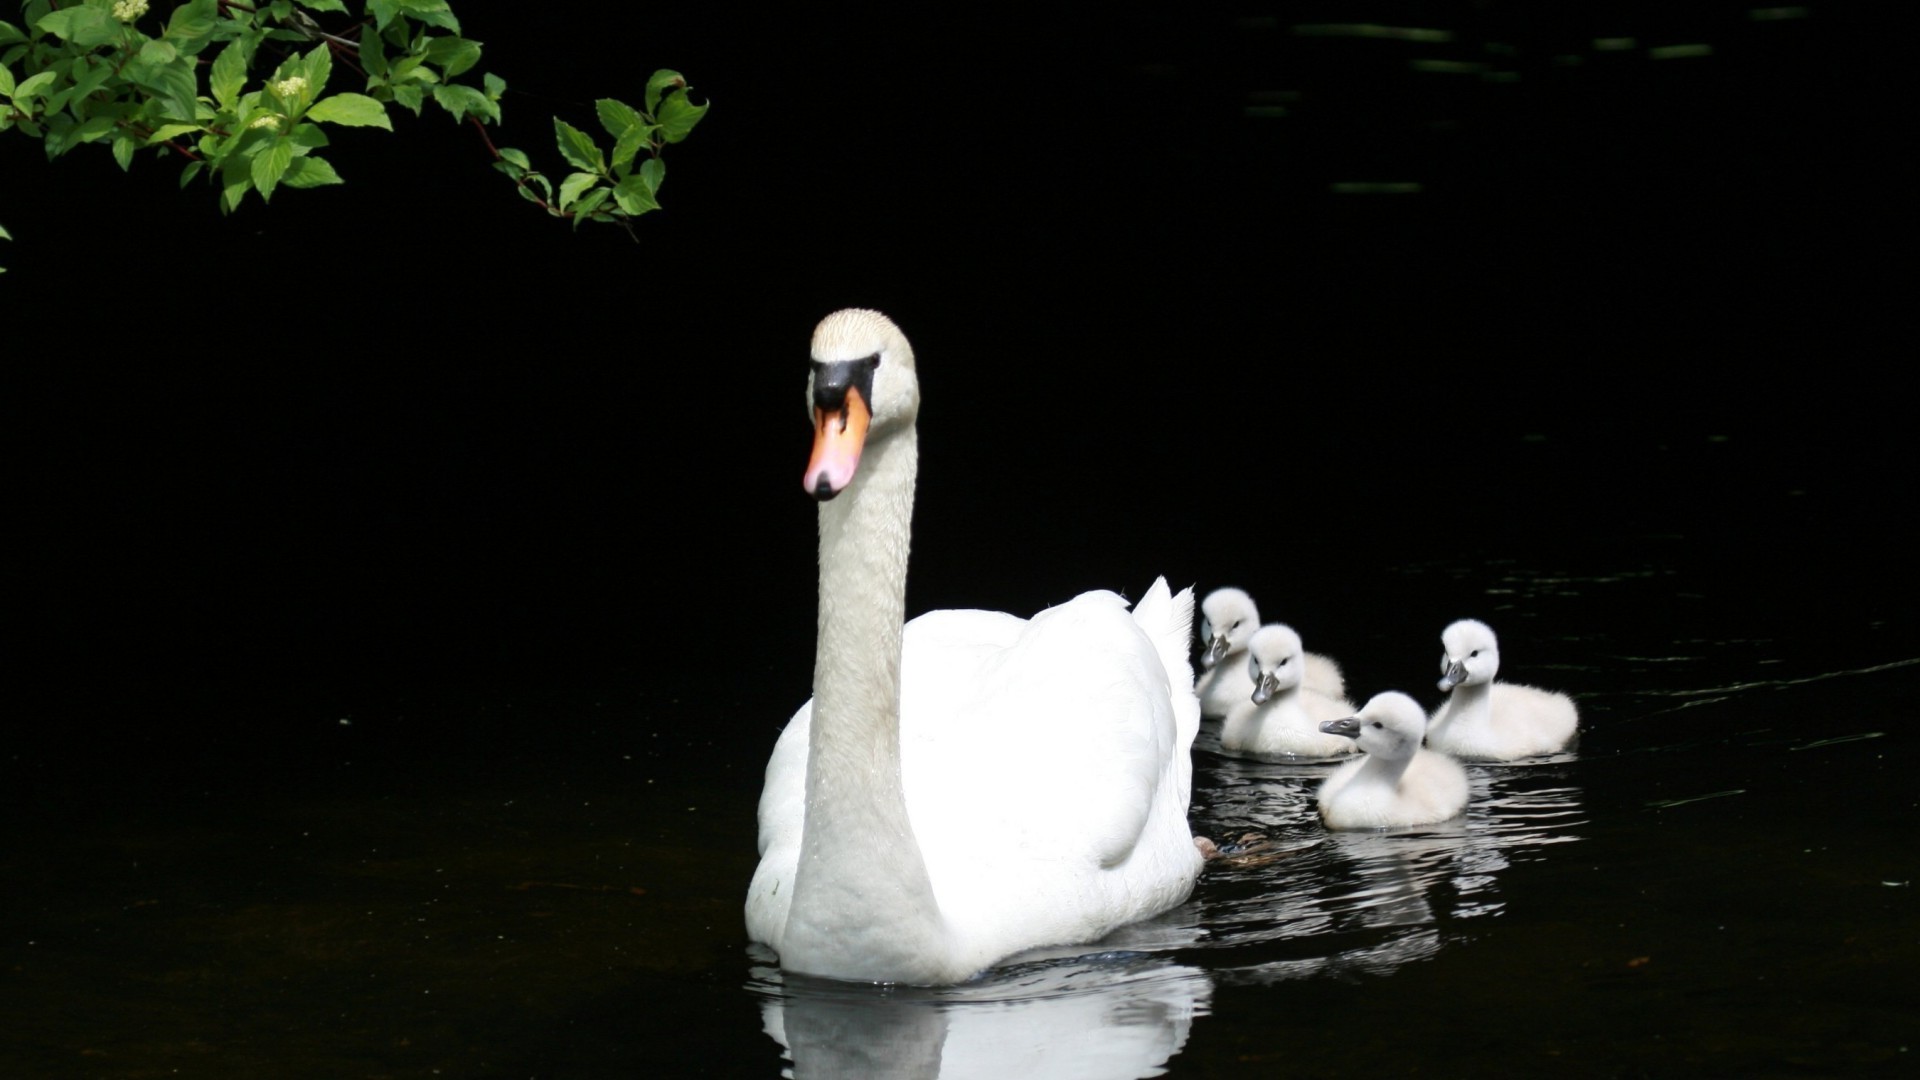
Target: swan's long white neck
{"type": "Point", "coordinates": [861, 894]}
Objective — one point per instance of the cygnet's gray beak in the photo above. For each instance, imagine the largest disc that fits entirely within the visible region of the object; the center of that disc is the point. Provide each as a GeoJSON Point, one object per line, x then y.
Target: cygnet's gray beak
{"type": "Point", "coordinates": [1263, 689]}
{"type": "Point", "coordinates": [1350, 727]}
{"type": "Point", "coordinates": [1456, 674]}
{"type": "Point", "coordinates": [1216, 648]}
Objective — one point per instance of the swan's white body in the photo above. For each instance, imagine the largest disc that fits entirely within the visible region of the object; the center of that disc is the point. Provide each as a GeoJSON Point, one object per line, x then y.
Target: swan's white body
{"type": "Point", "coordinates": [1397, 781]}
{"type": "Point", "coordinates": [975, 784]}
{"type": "Point", "coordinates": [1228, 619]}
{"type": "Point", "coordinates": [1484, 720]}
{"type": "Point", "coordinates": [1283, 717]}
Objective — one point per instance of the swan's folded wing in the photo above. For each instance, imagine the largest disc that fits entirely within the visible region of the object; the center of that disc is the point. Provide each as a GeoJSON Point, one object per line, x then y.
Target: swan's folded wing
{"type": "Point", "coordinates": [1056, 744]}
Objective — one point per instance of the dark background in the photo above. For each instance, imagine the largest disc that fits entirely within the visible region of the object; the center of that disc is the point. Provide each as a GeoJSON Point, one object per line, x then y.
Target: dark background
{"type": "Point", "coordinates": [405, 448]}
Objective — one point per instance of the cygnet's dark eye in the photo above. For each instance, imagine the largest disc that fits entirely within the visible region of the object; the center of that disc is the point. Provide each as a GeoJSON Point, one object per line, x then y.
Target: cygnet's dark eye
{"type": "Point", "coordinates": [1473, 654]}
{"type": "Point", "coordinates": [1378, 724]}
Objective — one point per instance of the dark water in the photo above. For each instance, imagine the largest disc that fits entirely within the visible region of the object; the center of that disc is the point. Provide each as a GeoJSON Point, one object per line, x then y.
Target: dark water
{"type": "Point", "coordinates": [390, 681]}
{"type": "Point", "coordinates": [1718, 881]}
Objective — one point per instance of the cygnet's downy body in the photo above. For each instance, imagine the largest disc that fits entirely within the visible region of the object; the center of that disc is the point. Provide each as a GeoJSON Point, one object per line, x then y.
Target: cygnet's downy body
{"type": "Point", "coordinates": [1396, 781]}
{"type": "Point", "coordinates": [1282, 717]}
{"type": "Point", "coordinates": [1484, 720]}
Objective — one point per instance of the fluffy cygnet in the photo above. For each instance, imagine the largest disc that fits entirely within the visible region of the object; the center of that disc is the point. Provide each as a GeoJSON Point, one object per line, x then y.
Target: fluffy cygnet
{"type": "Point", "coordinates": [1283, 716]}
{"type": "Point", "coordinates": [1484, 720]}
{"type": "Point", "coordinates": [1397, 781]}
{"type": "Point", "coordinates": [1228, 619]}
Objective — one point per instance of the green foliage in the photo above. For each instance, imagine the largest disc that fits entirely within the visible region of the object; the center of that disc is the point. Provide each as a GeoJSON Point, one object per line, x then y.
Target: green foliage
{"type": "Point", "coordinates": [242, 93]}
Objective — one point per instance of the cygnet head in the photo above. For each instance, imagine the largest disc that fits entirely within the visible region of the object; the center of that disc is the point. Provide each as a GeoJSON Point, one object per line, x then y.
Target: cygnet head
{"type": "Point", "coordinates": [1390, 726]}
{"type": "Point", "coordinates": [1227, 619]}
{"type": "Point", "coordinates": [1276, 661]}
{"type": "Point", "coordinates": [862, 386]}
{"type": "Point", "coordinates": [1470, 654]}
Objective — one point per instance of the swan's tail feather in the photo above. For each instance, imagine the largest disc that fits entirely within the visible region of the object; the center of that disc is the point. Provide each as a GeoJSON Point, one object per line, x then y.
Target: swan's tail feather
{"type": "Point", "coordinates": [1167, 619]}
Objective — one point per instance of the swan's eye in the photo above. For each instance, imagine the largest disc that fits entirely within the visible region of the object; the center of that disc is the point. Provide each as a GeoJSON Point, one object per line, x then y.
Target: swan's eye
{"type": "Point", "coordinates": [1473, 654]}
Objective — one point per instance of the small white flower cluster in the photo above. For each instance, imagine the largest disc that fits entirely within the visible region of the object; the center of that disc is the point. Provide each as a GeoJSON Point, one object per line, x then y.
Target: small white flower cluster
{"type": "Point", "coordinates": [129, 10]}
{"type": "Point", "coordinates": [266, 120]}
{"type": "Point", "coordinates": [289, 86]}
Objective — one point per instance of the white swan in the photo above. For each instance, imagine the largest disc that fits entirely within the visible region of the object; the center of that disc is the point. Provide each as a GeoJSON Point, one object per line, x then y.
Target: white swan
{"type": "Point", "coordinates": [1483, 720]}
{"type": "Point", "coordinates": [1228, 620]}
{"type": "Point", "coordinates": [1397, 782]}
{"type": "Point", "coordinates": [1283, 717]}
{"type": "Point", "coordinates": [976, 784]}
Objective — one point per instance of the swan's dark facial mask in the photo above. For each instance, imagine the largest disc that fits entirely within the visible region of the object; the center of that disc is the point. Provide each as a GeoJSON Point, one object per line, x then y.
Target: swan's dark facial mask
{"type": "Point", "coordinates": [832, 381]}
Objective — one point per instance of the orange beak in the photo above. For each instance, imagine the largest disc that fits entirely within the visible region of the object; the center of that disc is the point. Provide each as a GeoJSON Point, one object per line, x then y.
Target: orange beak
{"type": "Point", "coordinates": [838, 437]}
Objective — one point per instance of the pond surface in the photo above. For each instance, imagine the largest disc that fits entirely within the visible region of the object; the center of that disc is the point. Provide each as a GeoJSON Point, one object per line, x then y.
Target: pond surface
{"type": "Point", "coordinates": [1718, 880]}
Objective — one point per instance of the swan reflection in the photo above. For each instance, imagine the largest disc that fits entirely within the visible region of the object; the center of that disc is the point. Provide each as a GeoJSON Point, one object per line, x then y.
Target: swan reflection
{"type": "Point", "coordinates": [1110, 1015]}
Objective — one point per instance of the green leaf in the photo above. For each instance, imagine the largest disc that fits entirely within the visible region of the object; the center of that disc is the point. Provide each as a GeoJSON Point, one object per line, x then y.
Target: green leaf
{"type": "Point", "coordinates": [191, 24]}
{"type": "Point", "coordinates": [634, 196]}
{"type": "Point", "coordinates": [229, 73]}
{"type": "Point", "coordinates": [588, 205]}
{"type": "Point", "coordinates": [236, 179]}
{"type": "Point", "coordinates": [629, 145]}
{"type": "Point", "coordinates": [31, 87]}
{"type": "Point", "coordinates": [270, 164]}
{"type": "Point", "coordinates": [373, 53]}
{"type": "Point", "coordinates": [652, 173]}
{"type": "Point", "coordinates": [92, 128]}
{"type": "Point", "coordinates": [123, 148]}
{"type": "Point", "coordinates": [577, 147]}
{"type": "Point", "coordinates": [463, 101]}
{"type": "Point", "coordinates": [307, 137]}
{"type": "Point", "coordinates": [317, 66]}
{"type": "Point", "coordinates": [90, 79]}
{"type": "Point", "coordinates": [192, 170]}
{"type": "Point", "coordinates": [453, 54]}
{"type": "Point", "coordinates": [617, 116]}
{"type": "Point", "coordinates": [496, 86]}
{"type": "Point", "coordinates": [517, 157]}
{"type": "Point", "coordinates": [410, 96]}
{"type": "Point", "coordinates": [84, 26]}
{"type": "Point", "coordinates": [168, 131]}
{"type": "Point", "coordinates": [661, 81]}
{"type": "Point", "coordinates": [573, 185]}
{"type": "Point", "coordinates": [324, 5]}
{"type": "Point", "coordinates": [350, 110]}
{"type": "Point", "coordinates": [430, 12]}
{"type": "Point", "coordinates": [677, 116]}
{"type": "Point", "coordinates": [6, 81]}
{"type": "Point", "coordinates": [173, 85]}
{"type": "Point", "coordinates": [158, 53]}
{"type": "Point", "coordinates": [310, 172]}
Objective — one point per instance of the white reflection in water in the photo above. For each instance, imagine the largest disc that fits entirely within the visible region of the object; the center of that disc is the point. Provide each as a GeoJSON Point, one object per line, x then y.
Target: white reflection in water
{"type": "Point", "coordinates": [1110, 1015]}
{"type": "Point", "coordinates": [1299, 902]}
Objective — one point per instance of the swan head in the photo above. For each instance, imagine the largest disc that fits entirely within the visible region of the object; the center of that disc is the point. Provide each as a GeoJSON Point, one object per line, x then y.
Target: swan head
{"type": "Point", "coordinates": [861, 387]}
{"type": "Point", "coordinates": [1389, 726]}
{"type": "Point", "coordinates": [1227, 619]}
{"type": "Point", "coordinates": [1276, 661]}
{"type": "Point", "coordinates": [1470, 654]}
